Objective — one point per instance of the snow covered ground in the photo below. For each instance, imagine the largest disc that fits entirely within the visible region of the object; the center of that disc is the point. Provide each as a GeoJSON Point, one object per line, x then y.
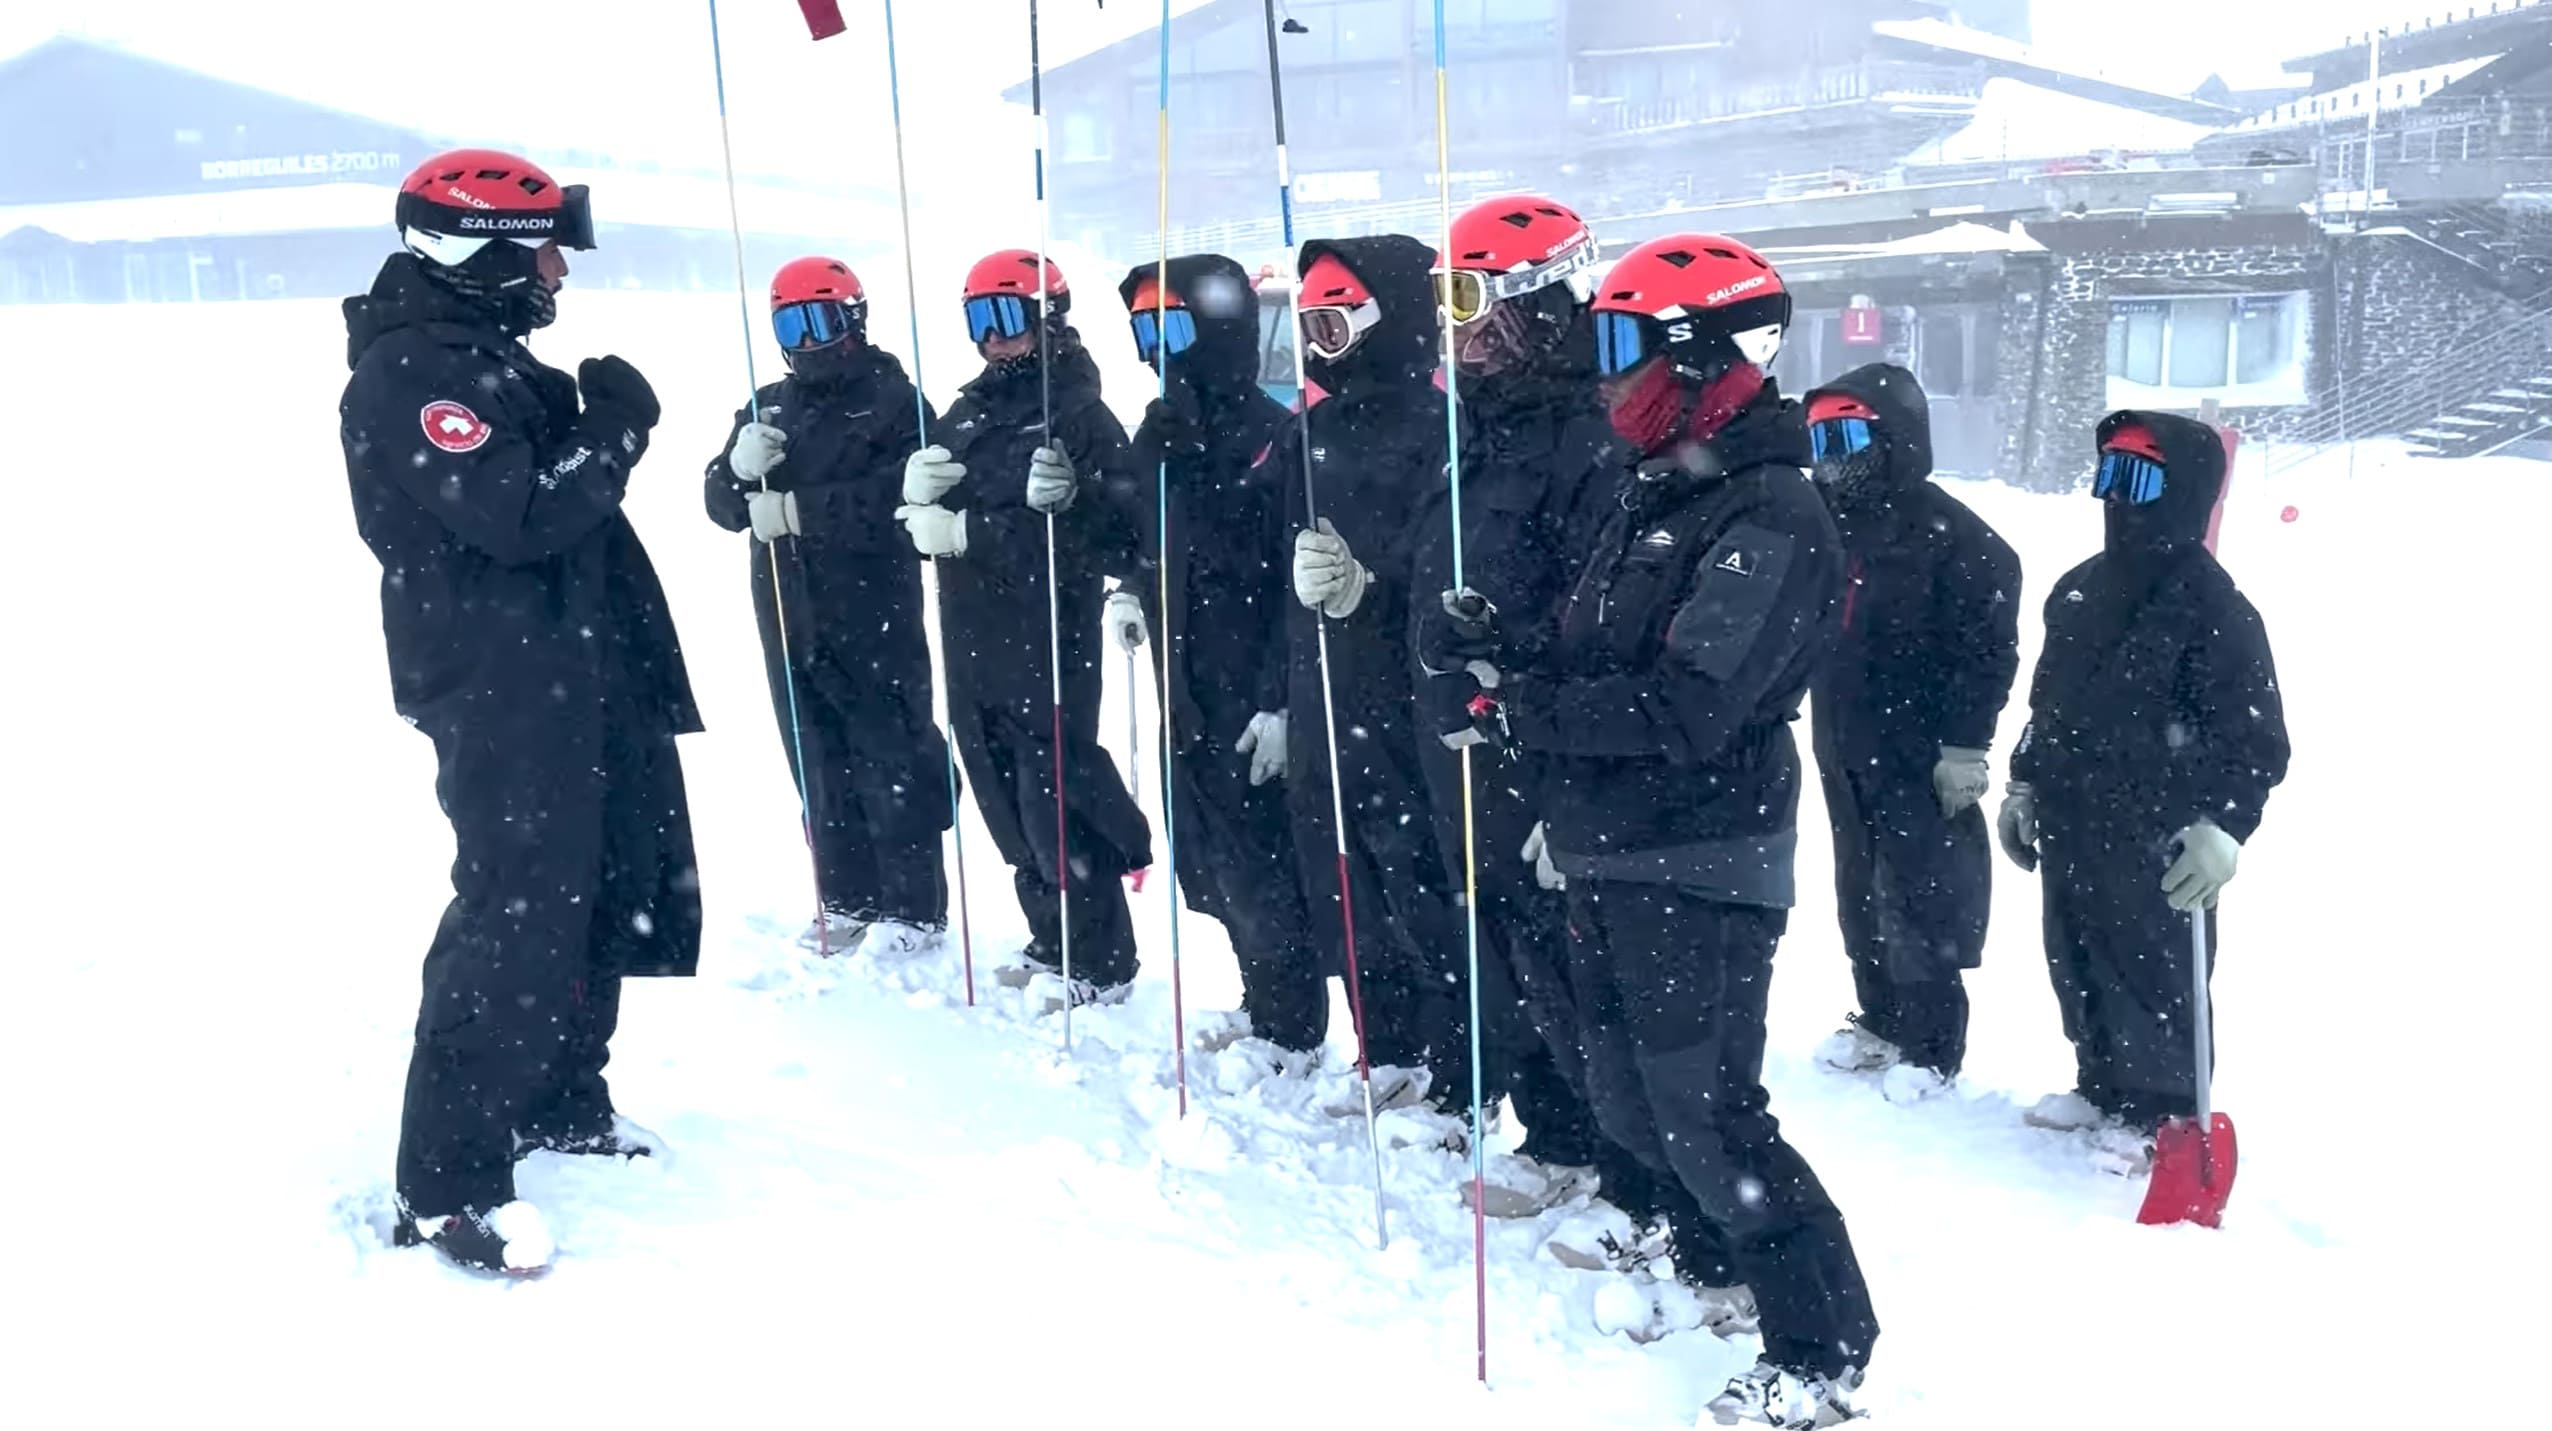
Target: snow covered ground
{"type": "Point", "coordinates": [223, 860]}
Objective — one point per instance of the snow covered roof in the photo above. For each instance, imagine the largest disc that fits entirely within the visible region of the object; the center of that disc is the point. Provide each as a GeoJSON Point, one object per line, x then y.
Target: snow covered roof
{"type": "Point", "coordinates": [620, 198]}
{"type": "Point", "coordinates": [1959, 39]}
{"type": "Point", "coordinates": [1958, 238]}
{"type": "Point", "coordinates": [2017, 120]}
{"type": "Point", "coordinates": [2403, 89]}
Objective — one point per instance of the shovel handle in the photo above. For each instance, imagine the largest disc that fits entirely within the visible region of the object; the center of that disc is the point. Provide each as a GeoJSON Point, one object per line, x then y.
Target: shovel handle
{"type": "Point", "coordinates": [2205, 1021]}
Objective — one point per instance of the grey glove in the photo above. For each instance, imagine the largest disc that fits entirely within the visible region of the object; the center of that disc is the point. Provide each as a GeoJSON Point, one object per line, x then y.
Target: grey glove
{"type": "Point", "coordinates": [1052, 484]}
{"type": "Point", "coordinates": [931, 474]}
{"type": "Point", "coordinates": [774, 515]}
{"type": "Point", "coordinates": [1537, 849]}
{"type": "Point", "coordinates": [758, 448]}
{"type": "Point", "coordinates": [936, 531]}
{"type": "Point", "coordinates": [2204, 868]}
{"type": "Point", "coordinates": [1327, 576]}
{"type": "Point", "coordinates": [1960, 779]}
{"type": "Point", "coordinates": [1264, 743]}
{"type": "Point", "coordinates": [2017, 826]}
{"type": "Point", "coordinates": [1125, 620]}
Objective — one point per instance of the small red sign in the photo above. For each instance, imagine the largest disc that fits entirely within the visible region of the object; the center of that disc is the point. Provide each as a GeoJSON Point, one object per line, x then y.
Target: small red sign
{"type": "Point", "coordinates": [452, 427]}
{"type": "Point", "coordinates": [1864, 327]}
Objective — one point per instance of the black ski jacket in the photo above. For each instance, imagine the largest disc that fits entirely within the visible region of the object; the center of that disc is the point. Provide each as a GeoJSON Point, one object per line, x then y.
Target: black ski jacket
{"type": "Point", "coordinates": [514, 592]}
{"type": "Point", "coordinates": [851, 581]}
{"type": "Point", "coordinates": [2155, 700]}
{"type": "Point", "coordinates": [1679, 659]}
{"type": "Point", "coordinates": [1929, 639]}
{"type": "Point", "coordinates": [1229, 563]}
{"type": "Point", "coordinates": [993, 600]}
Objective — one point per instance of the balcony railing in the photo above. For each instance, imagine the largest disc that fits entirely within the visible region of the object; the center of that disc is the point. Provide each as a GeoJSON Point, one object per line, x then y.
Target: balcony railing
{"type": "Point", "coordinates": [1846, 84]}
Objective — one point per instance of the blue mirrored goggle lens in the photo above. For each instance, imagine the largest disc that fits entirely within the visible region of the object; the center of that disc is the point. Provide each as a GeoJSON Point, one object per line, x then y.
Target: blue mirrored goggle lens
{"type": "Point", "coordinates": [1620, 343]}
{"type": "Point", "coordinates": [801, 326]}
{"type": "Point", "coordinates": [999, 315]}
{"type": "Point", "coordinates": [1149, 326]}
{"type": "Point", "coordinates": [1838, 437]}
{"type": "Point", "coordinates": [2140, 478]}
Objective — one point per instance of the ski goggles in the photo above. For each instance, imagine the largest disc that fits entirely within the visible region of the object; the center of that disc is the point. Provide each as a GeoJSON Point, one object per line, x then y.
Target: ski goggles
{"type": "Point", "coordinates": [997, 315]}
{"type": "Point", "coordinates": [1839, 437]}
{"type": "Point", "coordinates": [1156, 329]}
{"type": "Point", "coordinates": [817, 323]}
{"type": "Point", "coordinates": [1623, 341]}
{"type": "Point", "coordinates": [1466, 294]}
{"type": "Point", "coordinates": [2136, 476]}
{"type": "Point", "coordinates": [1329, 332]}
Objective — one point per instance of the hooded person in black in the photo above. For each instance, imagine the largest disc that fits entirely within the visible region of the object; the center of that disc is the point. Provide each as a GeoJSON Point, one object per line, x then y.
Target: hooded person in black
{"type": "Point", "coordinates": [1903, 714]}
{"type": "Point", "coordinates": [1223, 644]}
{"type": "Point", "coordinates": [815, 472]}
{"type": "Point", "coordinates": [1376, 451]}
{"type": "Point", "coordinates": [1662, 702]}
{"type": "Point", "coordinates": [977, 501]}
{"type": "Point", "coordinates": [2155, 735]}
{"type": "Point", "coordinates": [529, 639]}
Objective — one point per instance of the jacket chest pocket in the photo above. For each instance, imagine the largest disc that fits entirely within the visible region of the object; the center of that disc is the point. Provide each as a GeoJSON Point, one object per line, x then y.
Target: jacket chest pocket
{"type": "Point", "coordinates": [1632, 600]}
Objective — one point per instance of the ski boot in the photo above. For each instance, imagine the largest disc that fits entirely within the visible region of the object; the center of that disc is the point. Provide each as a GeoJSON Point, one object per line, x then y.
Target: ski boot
{"type": "Point", "coordinates": [614, 1137]}
{"type": "Point", "coordinates": [1788, 1400]}
{"type": "Point", "coordinates": [511, 1241]}
{"type": "Point", "coordinates": [833, 931]}
{"type": "Point", "coordinates": [1854, 1049]}
{"type": "Point", "coordinates": [1906, 1084]}
{"type": "Point", "coordinates": [894, 940]}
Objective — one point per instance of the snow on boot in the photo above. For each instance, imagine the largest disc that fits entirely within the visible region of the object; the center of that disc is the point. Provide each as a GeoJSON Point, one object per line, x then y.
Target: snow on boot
{"type": "Point", "coordinates": [1631, 1307]}
{"type": "Point", "coordinates": [512, 1240]}
{"type": "Point", "coordinates": [2064, 1113]}
{"type": "Point", "coordinates": [1517, 1187]}
{"type": "Point", "coordinates": [1727, 1311]}
{"type": "Point", "coordinates": [1602, 1238]}
{"type": "Point", "coordinates": [1047, 993]}
{"type": "Point", "coordinates": [618, 1138]}
{"type": "Point", "coordinates": [831, 932]}
{"type": "Point", "coordinates": [1790, 1400]}
{"type": "Point", "coordinates": [892, 939]}
{"type": "Point", "coordinates": [2121, 1149]}
{"type": "Point", "coordinates": [1392, 1088]}
{"type": "Point", "coordinates": [1218, 1030]}
{"type": "Point", "coordinates": [1854, 1049]}
{"type": "Point", "coordinates": [1907, 1084]}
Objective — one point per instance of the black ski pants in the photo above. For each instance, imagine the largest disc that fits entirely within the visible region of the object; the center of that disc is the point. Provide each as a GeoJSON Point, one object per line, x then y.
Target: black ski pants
{"type": "Point", "coordinates": [1010, 761]}
{"type": "Point", "coordinates": [2119, 956]}
{"type": "Point", "coordinates": [1671, 994]}
{"type": "Point", "coordinates": [573, 867]}
{"type": "Point", "coordinates": [876, 790]}
{"type": "Point", "coordinates": [1912, 890]}
{"type": "Point", "coordinates": [1236, 865]}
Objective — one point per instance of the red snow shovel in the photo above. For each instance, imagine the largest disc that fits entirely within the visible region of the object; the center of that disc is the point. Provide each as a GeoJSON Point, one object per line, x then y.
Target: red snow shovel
{"type": "Point", "coordinates": [2194, 1158]}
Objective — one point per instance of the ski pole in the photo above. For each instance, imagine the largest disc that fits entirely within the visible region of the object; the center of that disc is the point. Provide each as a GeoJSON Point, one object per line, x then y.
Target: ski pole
{"type": "Point", "coordinates": [1320, 627]}
{"type": "Point", "coordinates": [1133, 731]}
{"type": "Point", "coordinates": [930, 570]}
{"type": "Point", "coordinates": [753, 413]}
{"type": "Point", "coordinates": [1470, 837]}
{"type": "Point", "coordinates": [1169, 801]}
{"type": "Point", "coordinates": [1054, 581]}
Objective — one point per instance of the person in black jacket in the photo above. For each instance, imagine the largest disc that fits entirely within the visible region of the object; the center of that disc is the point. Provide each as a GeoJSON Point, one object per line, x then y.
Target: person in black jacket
{"type": "Point", "coordinates": [1662, 703]}
{"type": "Point", "coordinates": [2155, 735]}
{"type": "Point", "coordinates": [1375, 451]}
{"type": "Point", "coordinates": [530, 641]}
{"type": "Point", "coordinates": [1903, 714]}
{"type": "Point", "coordinates": [1223, 646]}
{"type": "Point", "coordinates": [815, 473]}
{"type": "Point", "coordinates": [1029, 440]}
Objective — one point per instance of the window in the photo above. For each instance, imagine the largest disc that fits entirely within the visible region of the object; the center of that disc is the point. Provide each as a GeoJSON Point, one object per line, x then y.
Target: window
{"type": "Point", "coordinates": [1943, 355]}
{"type": "Point", "coordinates": [2173, 353]}
{"type": "Point", "coordinates": [1084, 138]}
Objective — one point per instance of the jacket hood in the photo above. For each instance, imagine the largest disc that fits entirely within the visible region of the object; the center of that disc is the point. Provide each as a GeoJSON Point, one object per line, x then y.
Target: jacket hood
{"type": "Point", "coordinates": [403, 297]}
{"type": "Point", "coordinates": [1218, 294]}
{"type": "Point", "coordinates": [2192, 480]}
{"type": "Point", "coordinates": [1402, 346]}
{"type": "Point", "coordinates": [1904, 417]}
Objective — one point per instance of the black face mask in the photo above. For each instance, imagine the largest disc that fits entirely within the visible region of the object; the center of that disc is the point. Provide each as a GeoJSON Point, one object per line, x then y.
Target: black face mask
{"type": "Point", "coordinates": [828, 366]}
{"type": "Point", "coordinates": [502, 280]}
{"type": "Point", "coordinates": [1855, 478]}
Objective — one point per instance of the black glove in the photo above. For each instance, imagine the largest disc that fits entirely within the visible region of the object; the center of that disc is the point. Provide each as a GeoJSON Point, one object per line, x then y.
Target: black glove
{"type": "Point", "coordinates": [1172, 429]}
{"type": "Point", "coordinates": [1463, 709]}
{"type": "Point", "coordinates": [616, 390]}
{"type": "Point", "coordinates": [1462, 630]}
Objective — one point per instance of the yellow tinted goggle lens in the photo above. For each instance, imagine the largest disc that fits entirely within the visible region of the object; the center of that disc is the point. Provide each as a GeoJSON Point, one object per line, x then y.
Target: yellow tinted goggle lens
{"type": "Point", "coordinates": [1462, 295]}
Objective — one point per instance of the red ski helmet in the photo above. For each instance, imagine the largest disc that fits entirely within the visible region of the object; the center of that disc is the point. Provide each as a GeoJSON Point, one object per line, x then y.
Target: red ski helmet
{"type": "Point", "coordinates": [452, 205]}
{"type": "Point", "coordinates": [816, 302]}
{"type": "Point", "coordinates": [1002, 290]}
{"type": "Point", "coordinates": [1712, 309]}
{"type": "Point", "coordinates": [1506, 248]}
{"type": "Point", "coordinates": [806, 280]}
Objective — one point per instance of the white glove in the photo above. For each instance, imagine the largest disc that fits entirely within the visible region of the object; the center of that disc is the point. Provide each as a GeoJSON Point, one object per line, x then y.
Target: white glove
{"type": "Point", "coordinates": [1327, 576]}
{"type": "Point", "coordinates": [1125, 620]}
{"type": "Point", "coordinates": [774, 515]}
{"type": "Point", "coordinates": [2204, 868]}
{"type": "Point", "coordinates": [931, 474]}
{"type": "Point", "coordinates": [936, 531]}
{"type": "Point", "coordinates": [758, 448]}
{"type": "Point", "coordinates": [1537, 849]}
{"type": "Point", "coordinates": [1052, 484]}
{"type": "Point", "coordinates": [1960, 779]}
{"type": "Point", "coordinates": [2017, 826]}
{"type": "Point", "coordinates": [1264, 743]}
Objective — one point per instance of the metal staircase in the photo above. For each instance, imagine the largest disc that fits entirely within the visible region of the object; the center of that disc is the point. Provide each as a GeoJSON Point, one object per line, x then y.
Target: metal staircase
{"type": "Point", "coordinates": [2495, 389]}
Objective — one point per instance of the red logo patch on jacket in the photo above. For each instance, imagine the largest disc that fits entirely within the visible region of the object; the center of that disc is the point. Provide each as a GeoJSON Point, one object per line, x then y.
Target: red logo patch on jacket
{"type": "Point", "coordinates": [452, 427]}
